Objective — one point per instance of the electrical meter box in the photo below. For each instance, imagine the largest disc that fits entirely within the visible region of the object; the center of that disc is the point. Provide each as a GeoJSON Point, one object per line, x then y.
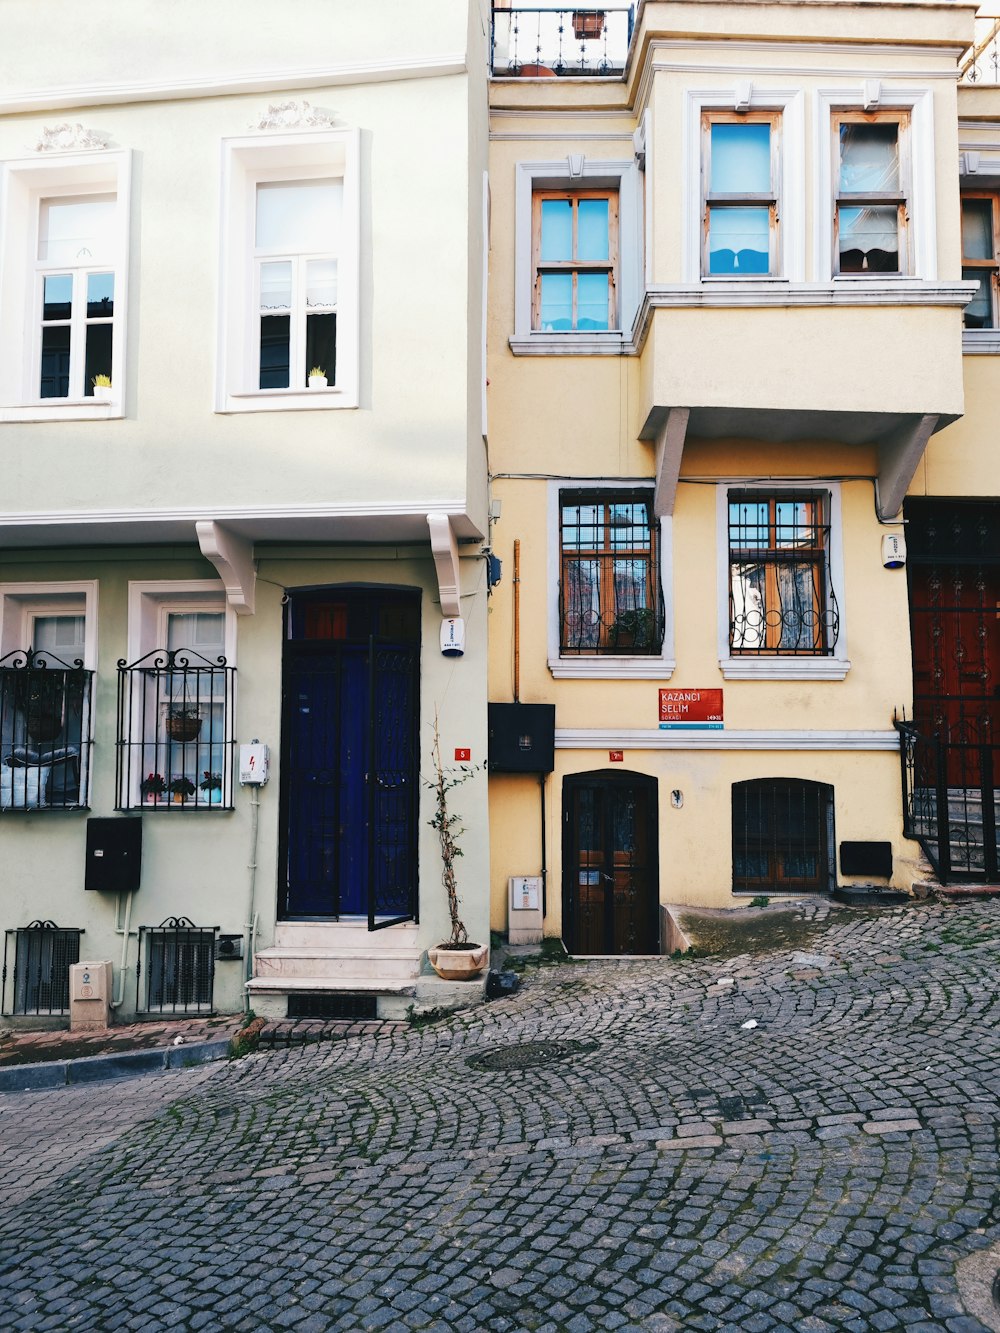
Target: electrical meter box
{"type": "Point", "coordinates": [89, 995]}
{"type": "Point", "coordinates": [114, 855]}
{"type": "Point", "coordinates": [524, 909]}
{"type": "Point", "coordinates": [253, 765]}
{"type": "Point", "coordinates": [521, 738]}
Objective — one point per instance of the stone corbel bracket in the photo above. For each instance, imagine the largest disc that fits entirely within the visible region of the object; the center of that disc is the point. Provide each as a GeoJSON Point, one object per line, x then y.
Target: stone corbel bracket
{"type": "Point", "coordinates": [444, 549]}
{"type": "Point", "coordinates": [232, 557]}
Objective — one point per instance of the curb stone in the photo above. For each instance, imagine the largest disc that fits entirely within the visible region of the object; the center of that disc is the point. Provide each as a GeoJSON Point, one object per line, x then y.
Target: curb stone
{"type": "Point", "coordinates": [97, 1068]}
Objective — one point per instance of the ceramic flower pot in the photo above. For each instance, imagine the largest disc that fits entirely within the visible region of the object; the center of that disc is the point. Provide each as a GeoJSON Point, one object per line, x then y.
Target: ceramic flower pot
{"type": "Point", "coordinates": [459, 964]}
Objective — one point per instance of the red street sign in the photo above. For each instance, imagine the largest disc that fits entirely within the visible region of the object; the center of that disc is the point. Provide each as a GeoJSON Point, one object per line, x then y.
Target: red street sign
{"type": "Point", "coordinates": [616, 756]}
{"type": "Point", "coordinates": [699, 710]}
{"type": "Point", "coordinates": [463, 755]}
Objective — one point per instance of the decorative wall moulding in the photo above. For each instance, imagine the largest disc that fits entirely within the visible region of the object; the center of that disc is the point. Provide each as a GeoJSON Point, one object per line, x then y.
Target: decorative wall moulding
{"type": "Point", "coordinates": [68, 138]}
{"type": "Point", "coordinates": [293, 115]}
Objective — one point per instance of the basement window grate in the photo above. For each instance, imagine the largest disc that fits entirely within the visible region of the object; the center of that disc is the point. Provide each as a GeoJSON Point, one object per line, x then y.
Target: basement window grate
{"type": "Point", "coordinates": [322, 1005]}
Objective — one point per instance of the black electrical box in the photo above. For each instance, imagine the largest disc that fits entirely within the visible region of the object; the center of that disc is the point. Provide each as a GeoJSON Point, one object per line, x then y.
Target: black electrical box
{"type": "Point", "coordinates": [522, 738]}
{"type": "Point", "coordinates": [866, 858]}
{"type": "Point", "coordinates": [114, 855]}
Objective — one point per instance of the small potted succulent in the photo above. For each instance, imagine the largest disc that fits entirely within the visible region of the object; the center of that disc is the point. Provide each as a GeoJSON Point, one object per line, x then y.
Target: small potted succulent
{"type": "Point", "coordinates": [180, 788]}
{"type": "Point", "coordinates": [152, 787]}
{"type": "Point", "coordinates": [102, 387]}
{"type": "Point", "coordinates": [211, 785]}
{"type": "Point", "coordinates": [317, 378]}
{"type": "Point", "coordinates": [184, 724]}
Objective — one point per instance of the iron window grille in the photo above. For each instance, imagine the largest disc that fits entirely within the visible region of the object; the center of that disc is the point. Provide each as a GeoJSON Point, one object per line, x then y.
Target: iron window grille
{"type": "Point", "coordinates": [781, 595]}
{"type": "Point", "coordinates": [42, 955]}
{"type": "Point", "coordinates": [179, 967]}
{"type": "Point", "coordinates": [610, 599]}
{"type": "Point", "coordinates": [782, 836]}
{"type": "Point", "coordinates": [45, 732]}
{"type": "Point", "coordinates": [175, 731]}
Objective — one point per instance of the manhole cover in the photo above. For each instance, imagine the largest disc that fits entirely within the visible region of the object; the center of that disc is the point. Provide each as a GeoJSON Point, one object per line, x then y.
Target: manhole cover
{"type": "Point", "coordinates": [530, 1054]}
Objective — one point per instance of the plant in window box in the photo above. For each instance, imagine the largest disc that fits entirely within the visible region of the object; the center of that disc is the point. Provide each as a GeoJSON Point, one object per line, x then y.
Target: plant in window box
{"type": "Point", "coordinates": [633, 629]}
{"type": "Point", "coordinates": [102, 387]}
{"type": "Point", "coordinates": [317, 378]}
{"type": "Point", "coordinates": [587, 24]}
{"type": "Point", "coordinates": [152, 787]}
{"type": "Point", "coordinates": [211, 785]}
{"type": "Point", "coordinates": [455, 959]}
{"type": "Point", "coordinates": [184, 724]}
{"type": "Point", "coordinates": [180, 788]}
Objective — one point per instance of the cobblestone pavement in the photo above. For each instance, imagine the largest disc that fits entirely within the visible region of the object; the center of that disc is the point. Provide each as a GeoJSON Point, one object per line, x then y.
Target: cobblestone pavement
{"type": "Point", "coordinates": [675, 1169]}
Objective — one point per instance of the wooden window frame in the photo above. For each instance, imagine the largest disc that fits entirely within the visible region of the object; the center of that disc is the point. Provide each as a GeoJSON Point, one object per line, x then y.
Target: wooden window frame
{"type": "Point", "coordinates": [768, 792]}
{"type": "Point", "coordinates": [574, 265]}
{"type": "Point", "coordinates": [611, 638]}
{"type": "Point", "coordinates": [720, 199]}
{"type": "Point", "coordinates": [875, 198]}
{"type": "Point", "coordinates": [773, 557]}
{"type": "Point", "coordinates": [991, 266]}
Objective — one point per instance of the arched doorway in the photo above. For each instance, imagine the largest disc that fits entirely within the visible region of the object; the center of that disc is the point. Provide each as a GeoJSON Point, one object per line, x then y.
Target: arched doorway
{"type": "Point", "coordinates": [610, 868]}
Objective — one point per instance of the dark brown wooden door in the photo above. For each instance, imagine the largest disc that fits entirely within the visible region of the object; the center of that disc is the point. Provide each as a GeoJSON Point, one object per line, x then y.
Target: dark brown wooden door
{"type": "Point", "coordinates": [610, 879]}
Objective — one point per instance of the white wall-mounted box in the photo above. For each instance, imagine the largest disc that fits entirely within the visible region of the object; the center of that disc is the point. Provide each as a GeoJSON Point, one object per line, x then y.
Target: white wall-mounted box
{"type": "Point", "coordinates": [524, 909]}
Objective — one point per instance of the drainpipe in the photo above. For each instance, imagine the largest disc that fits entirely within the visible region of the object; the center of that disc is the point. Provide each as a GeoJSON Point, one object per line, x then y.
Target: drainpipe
{"type": "Point", "coordinates": [114, 1004]}
{"type": "Point", "coordinates": [250, 928]}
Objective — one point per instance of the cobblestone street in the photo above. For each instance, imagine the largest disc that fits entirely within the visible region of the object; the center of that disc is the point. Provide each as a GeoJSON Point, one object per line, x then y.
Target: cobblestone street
{"type": "Point", "coordinates": [666, 1167]}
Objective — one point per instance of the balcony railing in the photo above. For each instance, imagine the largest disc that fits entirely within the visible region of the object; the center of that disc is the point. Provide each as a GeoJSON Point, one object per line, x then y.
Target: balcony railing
{"type": "Point", "coordinates": [981, 63]}
{"type": "Point", "coordinates": [542, 42]}
{"type": "Point", "coordinates": [45, 732]}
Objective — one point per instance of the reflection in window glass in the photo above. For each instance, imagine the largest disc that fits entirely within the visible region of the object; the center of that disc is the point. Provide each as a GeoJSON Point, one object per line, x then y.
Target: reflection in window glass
{"type": "Point", "coordinates": [100, 295]}
{"type": "Point", "coordinates": [979, 312]}
{"type": "Point", "coordinates": [869, 239]}
{"type": "Point", "coordinates": [592, 229]}
{"type": "Point", "coordinates": [741, 158]}
{"type": "Point", "coordinates": [77, 231]}
{"type": "Point", "coordinates": [869, 158]}
{"type": "Point", "coordinates": [739, 240]}
{"type": "Point", "coordinates": [61, 635]}
{"type": "Point", "coordinates": [299, 215]}
{"type": "Point", "coordinates": [592, 301]}
{"type": "Point", "coordinates": [57, 296]}
{"type": "Point", "coordinates": [557, 302]}
{"type": "Point", "coordinates": [557, 229]}
{"type": "Point", "coordinates": [977, 229]}
{"type": "Point", "coordinates": [54, 379]}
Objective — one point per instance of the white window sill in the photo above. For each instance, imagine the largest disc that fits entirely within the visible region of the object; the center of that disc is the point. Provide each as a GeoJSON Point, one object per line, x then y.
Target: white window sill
{"type": "Point", "coordinates": [568, 344]}
{"type": "Point", "coordinates": [784, 668]}
{"type": "Point", "coordinates": [287, 400]}
{"type": "Point", "coordinates": [63, 409]}
{"type": "Point", "coordinates": [980, 342]}
{"type": "Point", "coordinates": [611, 668]}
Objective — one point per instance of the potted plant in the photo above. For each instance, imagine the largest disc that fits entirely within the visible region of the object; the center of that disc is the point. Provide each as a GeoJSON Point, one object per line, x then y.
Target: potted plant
{"type": "Point", "coordinates": [152, 787]}
{"type": "Point", "coordinates": [42, 698]}
{"type": "Point", "coordinates": [317, 378]}
{"type": "Point", "coordinates": [180, 788]}
{"type": "Point", "coordinates": [211, 785]}
{"type": "Point", "coordinates": [102, 387]}
{"type": "Point", "coordinates": [634, 628]}
{"type": "Point", "coordinates": [184, 724]}
{"type": "Point", "coordinates": [587, 24]}
{"type": "Point", "coordinates": [456, 958]}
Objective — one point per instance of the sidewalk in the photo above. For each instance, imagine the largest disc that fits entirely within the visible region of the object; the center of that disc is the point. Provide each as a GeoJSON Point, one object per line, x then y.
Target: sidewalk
{"type": "Point", "coordinates": [48, 1059]}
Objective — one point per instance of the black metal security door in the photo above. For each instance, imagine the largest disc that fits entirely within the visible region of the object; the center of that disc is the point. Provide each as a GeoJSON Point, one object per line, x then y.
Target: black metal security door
{"type": "Point", "coordinates": [610, 880]}
{"type": "Point", "coordinates": [350, 775]}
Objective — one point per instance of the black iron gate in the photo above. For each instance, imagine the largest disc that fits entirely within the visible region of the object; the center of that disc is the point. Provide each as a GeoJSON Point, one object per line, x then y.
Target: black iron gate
{"type": "Point", "coordinates": [951, 748]}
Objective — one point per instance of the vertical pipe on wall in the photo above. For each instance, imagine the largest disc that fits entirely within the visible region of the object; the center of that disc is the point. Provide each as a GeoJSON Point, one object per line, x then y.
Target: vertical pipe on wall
{"type": "Point", "coordinates": [517, 619]}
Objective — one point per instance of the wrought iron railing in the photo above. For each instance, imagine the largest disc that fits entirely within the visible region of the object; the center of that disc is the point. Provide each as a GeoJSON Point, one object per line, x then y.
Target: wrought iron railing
{"type": "Point", "coordinates": [528, 41]}
{"type": "Point", "coordinates": [42, 956]}
{"type": "Point", "coordinates": [45, 732]}
{"type": "Point", "coordinates": [175, 973]}
{"type": "Point", "coordinates": [175, 731]}
{"type": "Point", "coordinates": [950, 801]}
{"type": "Point", "coordinates": [981, 63]}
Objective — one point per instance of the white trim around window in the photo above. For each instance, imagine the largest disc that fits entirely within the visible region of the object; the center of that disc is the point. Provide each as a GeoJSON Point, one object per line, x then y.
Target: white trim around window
{"type": "Point", "coordinates": [286, 158]}
{"type": "Point", "coordinates": [922, 224]}
{"type": "Point", "coordinates": [148, 602]}
{"type": "Point", "coordinates": [604, 666]}
{"type": "Point", "coordinates": [789, 105]}
{"type": "Point", "coordinates": [24, 186]}
{"type": "Point", "coordinates": [833, 666]}
{"type": "Point", "coordinates": [21, 603]}
{"type": "Point", "coordinates": [578, 173]}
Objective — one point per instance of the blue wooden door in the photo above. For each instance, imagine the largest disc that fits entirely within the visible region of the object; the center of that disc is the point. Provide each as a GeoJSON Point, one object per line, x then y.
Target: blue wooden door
{"type": "Point", "coordinates": [349, 761]}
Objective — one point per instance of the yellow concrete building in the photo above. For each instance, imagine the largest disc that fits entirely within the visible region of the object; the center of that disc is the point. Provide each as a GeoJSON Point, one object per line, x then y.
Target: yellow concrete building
{"type": "Point", "coordinates": [732, 380]}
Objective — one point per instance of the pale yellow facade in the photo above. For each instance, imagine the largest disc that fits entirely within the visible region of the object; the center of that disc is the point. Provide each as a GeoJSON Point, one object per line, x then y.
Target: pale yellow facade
{"type": "Point", "coordinates": [854, 386]}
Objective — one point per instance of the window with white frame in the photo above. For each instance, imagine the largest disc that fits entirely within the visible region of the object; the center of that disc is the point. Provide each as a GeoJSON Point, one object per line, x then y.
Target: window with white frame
{"type": "Point", "coordinates": [781, 582]}
{"type": "Point", "coordinates": [62, 286]}
{"type": "Point", "coordinates": [177, 701]}
{"type": "Point", "coordinates": [578, 264]}
{"type": "Point", "coordinates": [46, 695]}
{"type": "Point", "coordinates": [290, 282]}
{"type": "Point", "coordinates": [871, 204]}
{"type": "Point", "coordinates": [740, 183]}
